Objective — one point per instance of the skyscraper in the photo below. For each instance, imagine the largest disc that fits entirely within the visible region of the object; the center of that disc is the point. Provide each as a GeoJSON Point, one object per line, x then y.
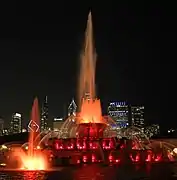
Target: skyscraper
{"type": "Point", "coordinates": [44, 124]}
{"type": "Point", "coordinates": [119, 111]}
{"type": "Point", "coordinates": [1, 126]}
{"type": "Point", "coordinates": [72, 108]}
{"type": "Point", "coordinates": [16, 123]}
{"type": "Point", "coordinates": [137, 116]}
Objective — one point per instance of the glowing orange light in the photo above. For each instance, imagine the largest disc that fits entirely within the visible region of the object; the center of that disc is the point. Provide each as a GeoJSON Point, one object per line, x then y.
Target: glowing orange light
{"type": "Point", "coordinates": [34, 163]}
{"type": "Point", "coordinates": [38, 147]}
{"type": "Point", "coordinates": [91, 111]}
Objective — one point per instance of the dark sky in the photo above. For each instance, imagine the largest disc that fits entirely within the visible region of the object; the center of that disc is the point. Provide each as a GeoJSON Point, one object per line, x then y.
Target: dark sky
{"type": "Point", "coordinates": [136, 46]}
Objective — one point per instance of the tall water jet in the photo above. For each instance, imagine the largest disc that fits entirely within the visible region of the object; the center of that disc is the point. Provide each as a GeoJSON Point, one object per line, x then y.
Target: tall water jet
{"type": "Point", "coordinates": [34, 159]}
{"type": "Point", "coordinates": [88, 64]}
{"type": "Point", "coordinates": [33, 127]}
{"type": "Point", "coordinates": [91, 122]}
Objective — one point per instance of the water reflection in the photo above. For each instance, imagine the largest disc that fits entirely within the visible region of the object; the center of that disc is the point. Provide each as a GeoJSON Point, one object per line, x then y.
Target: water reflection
{"type": "Point", "coordinates": [23, 175]}
{"type": "Point", "coordinates": [89, 173]}
{"type": "Point", "coordinates": [98, 172]}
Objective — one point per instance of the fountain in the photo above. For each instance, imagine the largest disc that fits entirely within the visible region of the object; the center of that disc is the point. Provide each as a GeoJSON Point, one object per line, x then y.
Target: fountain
{"type": "Point", "coordinates": [27, 156]}
{"type": "Point", "coordinates": [88, 136]}
{"type": "Point", "coordinates": [33, 159]}
{"type": "Point", "coordinates": [88, 65]}
{"type": "Point", "coordinates": [91, 134]}
{"type": "Point", "coordinates": [90, 116]}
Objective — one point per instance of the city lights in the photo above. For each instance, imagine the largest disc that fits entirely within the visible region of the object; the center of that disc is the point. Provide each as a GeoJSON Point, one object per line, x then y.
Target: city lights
{"type": "Point", "coordinates": [86, 135]}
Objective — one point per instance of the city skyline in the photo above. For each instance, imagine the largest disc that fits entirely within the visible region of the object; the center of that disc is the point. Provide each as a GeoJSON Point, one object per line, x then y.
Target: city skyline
{"type": "Point", "coordinates": [123, 52]}
{"type": "Point", "coordinates": [46, 120]}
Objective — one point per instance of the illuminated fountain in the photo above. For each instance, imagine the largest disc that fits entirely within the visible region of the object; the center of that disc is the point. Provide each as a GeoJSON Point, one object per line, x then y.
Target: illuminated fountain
{"type": "Point", "coordinates": [88, 133]}
{"type": "Point", "coordinates": [89, 130]}
{"type": "Point", "coordinates": [28, 156]}
{"type": "Point", "coordinates": [90, 116]}
{"type": "Point", "coordinates": [33, 159]}
{"type": "Point", "coordinates": [88, 136]}
{"type": "Point", "coordinates": [89, 121]}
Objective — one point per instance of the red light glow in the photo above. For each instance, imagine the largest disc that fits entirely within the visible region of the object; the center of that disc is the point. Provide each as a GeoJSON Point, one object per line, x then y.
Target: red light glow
{"type": "Point", "coordinates": [93, 158]}
{"type": "Point", "coordinates": [136, 158]}
{"type": "Point", "coordinates": [148, 159]}
{"type": "Point", "coordinates": [158, 158]}
{"type": "Point", "coordinates": [149, 156]}
{"type": "Point", "coordinates": [84, 159]}
{"type": "Point", "coordinates": [110, 158]}
{"type": "Point", "coordinates": [117, 160]}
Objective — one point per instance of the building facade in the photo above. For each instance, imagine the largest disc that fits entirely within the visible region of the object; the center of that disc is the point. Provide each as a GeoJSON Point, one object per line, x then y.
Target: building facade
{"type": "Point", "coordinates": [119, 111]}
{"type": "Point", "coordinates": [137, 116]}
{"type": "Point", "coordinates": [57, 123]}
{"type": "Point", "coordinates": [1, 126]}
{"type": "Point", "coordinates": [16, 123]}
{"type": "Point", "coordinates": [72, 108]}
{"type": "Point", "coordinates": [44, 124]}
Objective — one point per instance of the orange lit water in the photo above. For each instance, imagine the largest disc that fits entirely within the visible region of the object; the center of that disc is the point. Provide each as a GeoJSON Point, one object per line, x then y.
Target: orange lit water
{"type": "Point", "coordinates": [87, 64]}
{"type": "Point", "coordinates": [34, 132]}
{"type": "Point", "coordinates": [33, 159]}
{"type": "Point", "coordinates": [91, 111]}
{"type": "Point", "coordinates": [90, 108]}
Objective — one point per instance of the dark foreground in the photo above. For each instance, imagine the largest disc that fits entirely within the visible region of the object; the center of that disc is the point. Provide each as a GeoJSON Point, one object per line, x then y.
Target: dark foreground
{"type": "Point", "coordinates": [166, 171]}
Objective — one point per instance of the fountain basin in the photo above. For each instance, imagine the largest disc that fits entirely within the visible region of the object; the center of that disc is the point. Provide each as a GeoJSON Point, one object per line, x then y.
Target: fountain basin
{"type": "Point", "coordinates": [91, 130]}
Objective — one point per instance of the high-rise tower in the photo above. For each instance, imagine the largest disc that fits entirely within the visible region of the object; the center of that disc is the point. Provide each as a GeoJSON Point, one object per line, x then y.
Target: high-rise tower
{"type": "Point", "coordinates": [137, 113]}
{"type": "Point", "coordinates": [44, 115]}
{"type": "Point", "coordinates": [72, 108]}
{"type": "Point", "coordinates": [1, 126]}
{"type": "Point", "coordinates": [16, 123]}
{"type": "Point", "coordinates": [119, 111]}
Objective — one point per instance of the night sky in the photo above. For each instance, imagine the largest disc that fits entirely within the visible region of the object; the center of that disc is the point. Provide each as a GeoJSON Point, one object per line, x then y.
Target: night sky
{"type": "Point", "coordinates": [40, 46]}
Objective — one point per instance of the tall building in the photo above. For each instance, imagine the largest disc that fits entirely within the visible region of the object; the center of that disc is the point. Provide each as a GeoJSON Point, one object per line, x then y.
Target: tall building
{"type": "Point", "coordinates": [72, 108]}
{"type": "Point", "coordinates": [5, 131]}
{"type": "Point", "coordinates": [44, 124]}
{"type": "Point", "coordinates": [119, 111]}
{"type": "Point", "coordinates": [137, 116]}
{"type": "Point", "coordinates": [16, 123]}
{"type": "Point", "coordinates": [57, 123]}
{"type": "Point", "coordinates": [1, 126]}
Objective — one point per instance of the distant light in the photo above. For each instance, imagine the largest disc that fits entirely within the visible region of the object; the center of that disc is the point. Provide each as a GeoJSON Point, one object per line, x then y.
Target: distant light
{"type": "Point", "coordinates": [4, 147]}
{"type": "Point", "coordinates": [118, 104]}
{"type": "Point", "coordinates": [38, 147]}
{"type": "Point", "coordinates": [18, 115]}
{"type": "Point", "coordinates": [56, 129]}
{"type": "Point", "coordinates": [58, 119]}
{"type": "Point", "coordinates": [24, 130]}
{"type": "Point", "coordinates": [175, 150]}
{"type": "Point", "coordinates": [2, 164]}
